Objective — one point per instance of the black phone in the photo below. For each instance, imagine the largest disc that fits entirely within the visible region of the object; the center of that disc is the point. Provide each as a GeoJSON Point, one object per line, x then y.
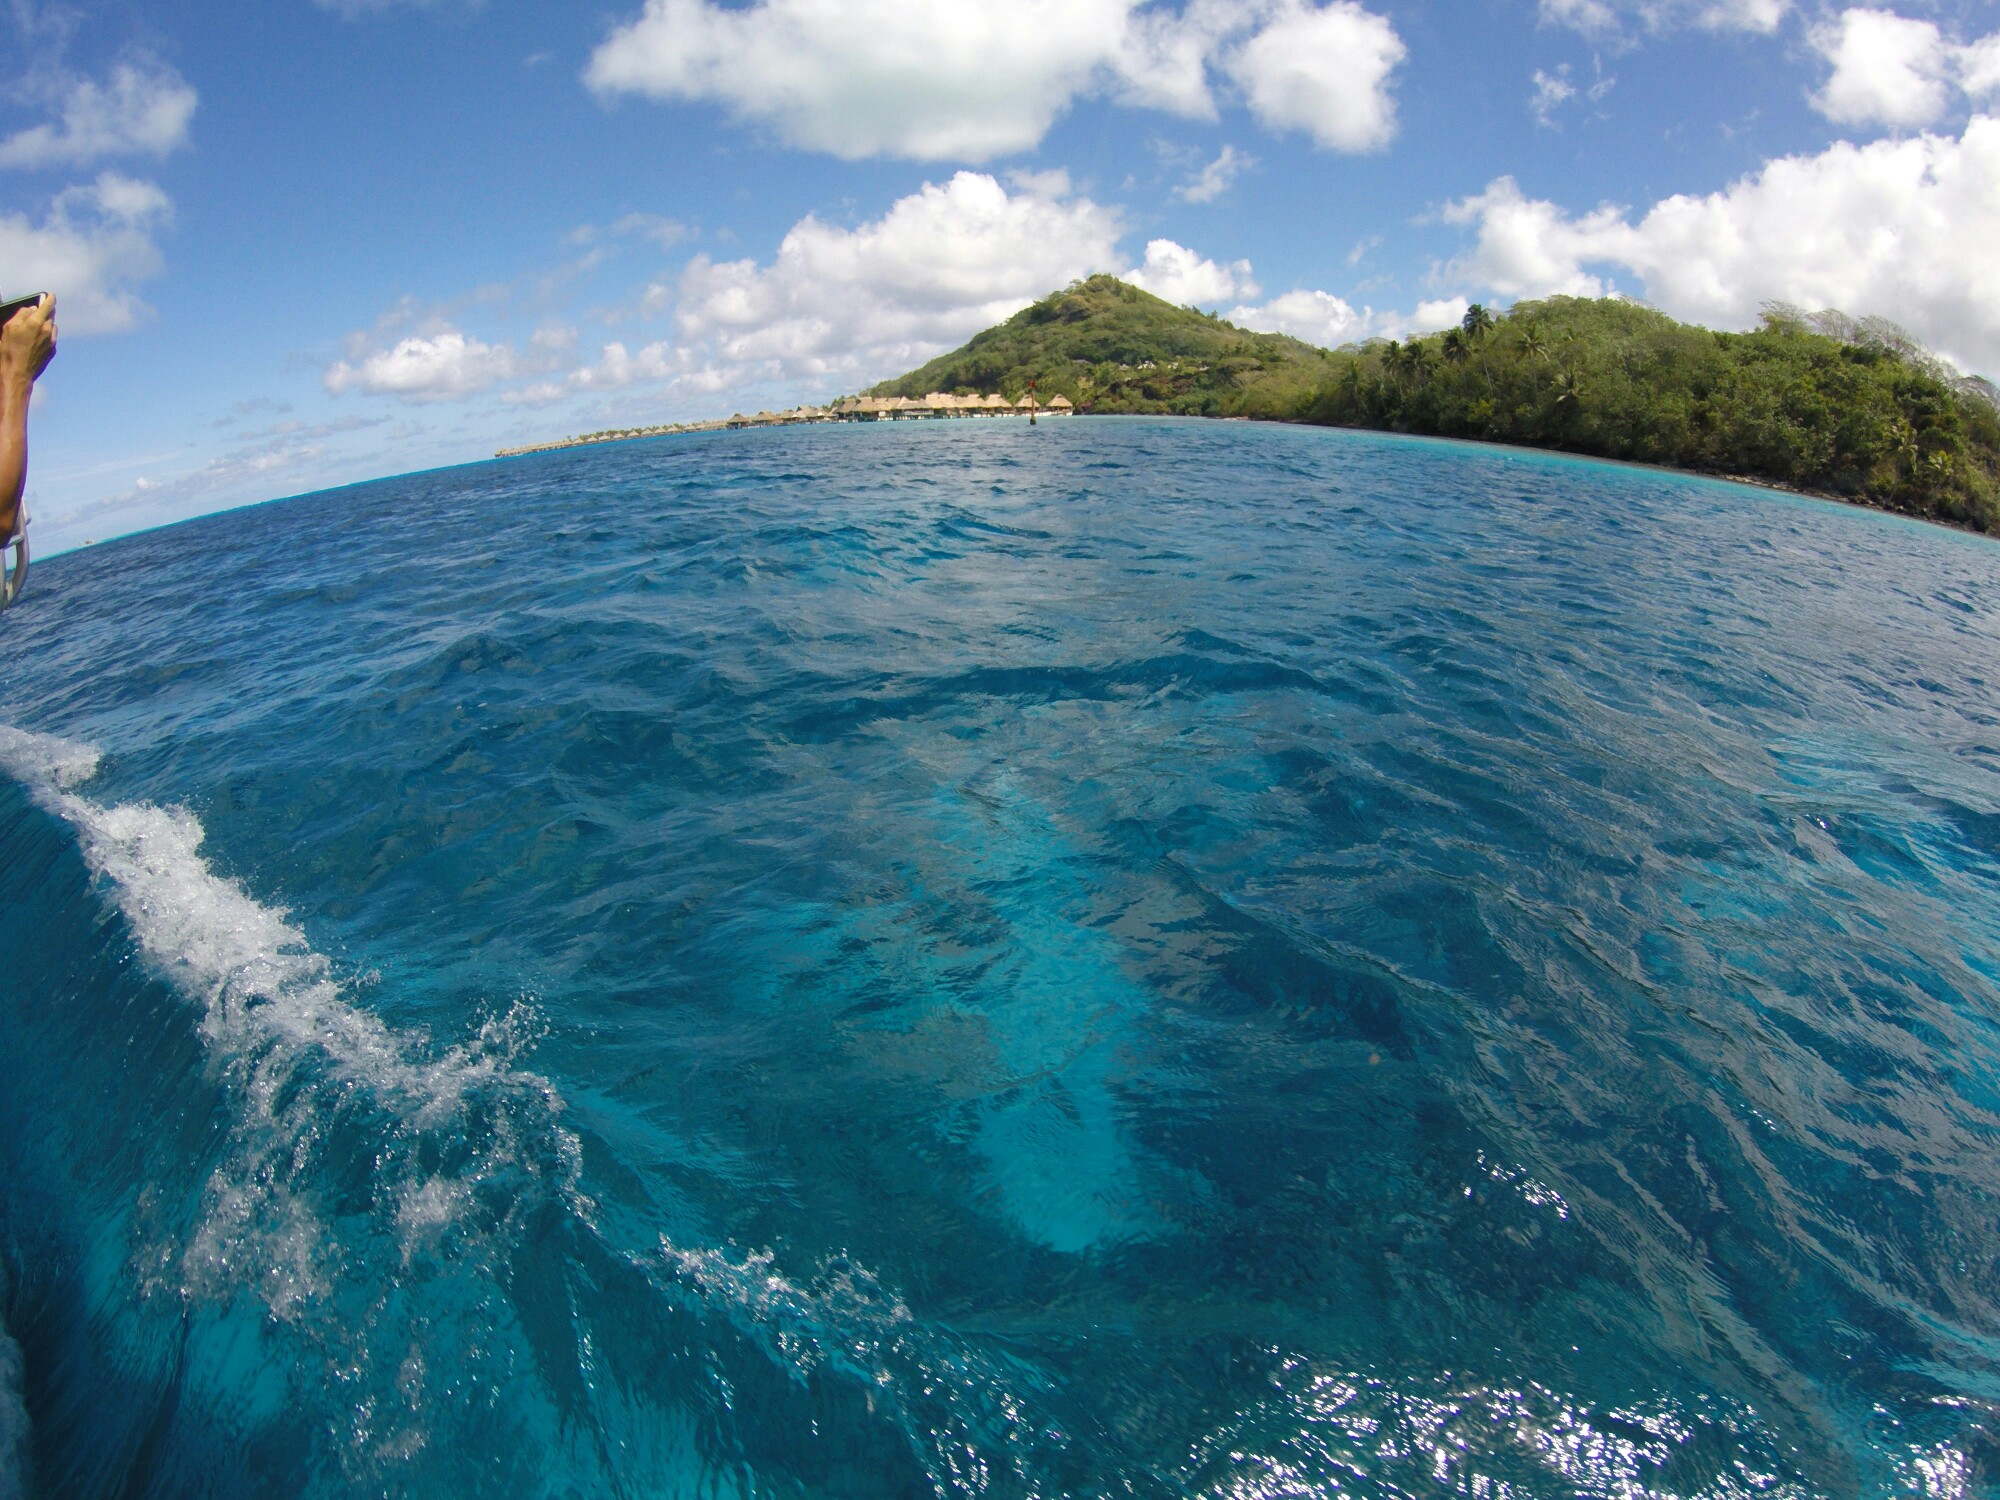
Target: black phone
{"type": "Point", "coordinates": [8, 309]}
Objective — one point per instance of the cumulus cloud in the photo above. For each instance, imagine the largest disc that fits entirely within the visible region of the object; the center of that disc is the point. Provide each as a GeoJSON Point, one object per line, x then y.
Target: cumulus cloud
{"type": "Point", "coordinates": [1323, 71]}
{"type": "Point", "coordinates": [94, 243]}
{"type": "Point", "coordinates": [1895, 71]}
{"type": "Point", "coordinates": [141, 110]}
{"type": "Point", "coordinates": [940, 80]}
{"type": "Point", "coordinates": [834, 303]}
{"type": "Point", "coordinates": [1887, 70]}
{"type": "Point", "coordinates": [442, 366]}
{"type": "Point", "coordinates": [1610, 19]}
{"type": "Point", "coordinates": [931, 79]}
{"type": "Point", "coordinates": [1979, 66]}
{"type": "Point", "coordinates": [1529, 247]}
{"type": "Point", "coordinates": [938, 266]}
{"type": "Point", "coordinates": [1901, 229]}
{"type": "Point", "coordinates": [1430, 317]}
{"type": "Point", "coordinates": [1184, 278]}
{"type": "Point", "coordinates": [419, 355]}
{"type": "Point", "coordinates": [1329, 321]}
{"type": "Point", "coordinates": [1317, 317]}
{"type": "Point", "coordinates": [941, 264]}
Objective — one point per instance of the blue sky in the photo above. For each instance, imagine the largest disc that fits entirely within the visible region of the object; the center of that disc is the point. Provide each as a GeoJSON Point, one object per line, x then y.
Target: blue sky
{"type": "Point", "coordinates": [304, 242]}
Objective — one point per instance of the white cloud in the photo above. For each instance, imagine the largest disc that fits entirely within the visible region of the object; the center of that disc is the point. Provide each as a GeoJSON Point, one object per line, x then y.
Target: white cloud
{"type": "Point", "coordinates": [1610, 19]}
{"type": "Point", "coordinates": [1979, 66]}
{"type": "Point", "coordinates": [1430, 317]}
{"type": "Point", "coordinates": [932, 79]}
{"type": "Point", "coordinates": [615, 369]}
{"type": "Point", "coordinates": [1163, 59]}
{"type": "Point", "coordinates": [1324, 71]}
{"type": "Point", "coordinates": [1329, 321]}
{"type": "Point", "coordinates": [1317, 317]}
{"type": "Point", "coordinates": [940, 265]}
{"type": "Point", "coordinates": [1887, 70]}
{"type": "Point", "coordinates": [141, 110]}
{"type": "Point", "coordinates": [1187, 280]}
{"type": "Point", "coordinates": [942, 80]}
{"type": "Point", "coordinates": [1531, 248]}
{"type": "Point", "coordinates": [1213, 180]}
{"type": "Point", "coordinates": [1901, 229]}
{"type": "Point", "coordinates": [1895, 71]}
{"type": "Point", "coordinates": [94, 243]}
{"type": "Point", "coordinates": [834, 303]}
{"type": "Point", "coordinates": [441, 366]}
{"type": "Point", "coordinates": [1552, 91]}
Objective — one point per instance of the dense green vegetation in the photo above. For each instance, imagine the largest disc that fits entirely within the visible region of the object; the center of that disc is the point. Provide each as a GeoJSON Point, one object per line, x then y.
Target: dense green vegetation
{"type": "Point", "coordinates": [1818, 401]}
{"type": "Point", "coordinates": [1112, 348]}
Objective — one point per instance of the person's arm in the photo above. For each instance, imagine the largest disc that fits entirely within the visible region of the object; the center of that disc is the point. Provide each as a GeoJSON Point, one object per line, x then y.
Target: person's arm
{"type": "Point", "coordinates": [27, 344]}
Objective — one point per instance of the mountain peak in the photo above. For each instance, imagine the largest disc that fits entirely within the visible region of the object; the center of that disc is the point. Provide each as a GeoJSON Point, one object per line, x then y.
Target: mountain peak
{"type": "Point", "coordinates": [1113, 347]}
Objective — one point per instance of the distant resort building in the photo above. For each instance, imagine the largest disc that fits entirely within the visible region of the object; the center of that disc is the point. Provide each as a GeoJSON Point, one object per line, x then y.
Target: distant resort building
{"type": "Point", "coordinates": [938, 404]}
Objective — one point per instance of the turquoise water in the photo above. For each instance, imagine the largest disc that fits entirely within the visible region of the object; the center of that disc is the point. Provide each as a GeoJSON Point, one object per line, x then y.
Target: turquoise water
{"type": "Point", "coordinates": [1118, 958]}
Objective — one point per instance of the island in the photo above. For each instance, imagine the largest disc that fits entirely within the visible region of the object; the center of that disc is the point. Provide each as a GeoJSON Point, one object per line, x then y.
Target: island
{"type": "Point", "coordinates": [1846, 408]}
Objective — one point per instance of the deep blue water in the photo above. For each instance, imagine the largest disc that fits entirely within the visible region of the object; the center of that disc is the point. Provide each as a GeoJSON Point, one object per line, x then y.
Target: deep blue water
{"type": "Point", "coordinates": [1128, 958]}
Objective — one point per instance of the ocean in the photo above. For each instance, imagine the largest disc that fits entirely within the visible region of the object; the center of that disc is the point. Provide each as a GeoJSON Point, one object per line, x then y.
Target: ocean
{"type": "Point", "coordinates": [1122, 957]}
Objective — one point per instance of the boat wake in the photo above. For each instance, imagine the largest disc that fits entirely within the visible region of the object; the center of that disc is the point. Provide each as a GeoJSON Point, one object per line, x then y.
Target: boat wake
{"type": "Point", "coordinates": [375, 1256]}
{"type": "Point", "coordinates": [388, 1223]}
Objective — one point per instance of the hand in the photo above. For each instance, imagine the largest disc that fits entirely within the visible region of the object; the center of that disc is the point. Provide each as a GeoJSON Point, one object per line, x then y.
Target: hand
{"type": "Point", "coordinates": [27, 344]}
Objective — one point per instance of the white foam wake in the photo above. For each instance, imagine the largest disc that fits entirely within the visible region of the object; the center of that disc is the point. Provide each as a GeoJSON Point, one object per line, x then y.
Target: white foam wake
{"type": "Point", "coordinates": [459, 1143]}
{"type": "Point", "coordinates": [276, 1023]}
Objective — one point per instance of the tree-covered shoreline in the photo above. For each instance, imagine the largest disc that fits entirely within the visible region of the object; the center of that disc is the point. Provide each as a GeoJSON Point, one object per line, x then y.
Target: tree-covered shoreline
{"type": "Point", "coordinates": [1817, 402]}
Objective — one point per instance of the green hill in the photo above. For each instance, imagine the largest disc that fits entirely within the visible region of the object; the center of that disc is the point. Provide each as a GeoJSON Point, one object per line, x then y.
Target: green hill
{"type": "Point", "coordinates": [1112, 348]}
{"type": "Point", "coordinates": [1817, 401]}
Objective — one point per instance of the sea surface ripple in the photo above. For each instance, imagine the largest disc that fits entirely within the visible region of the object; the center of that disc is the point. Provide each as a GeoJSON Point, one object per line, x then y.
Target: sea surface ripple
{"type": "Point", "coordinates": [1118, 958]}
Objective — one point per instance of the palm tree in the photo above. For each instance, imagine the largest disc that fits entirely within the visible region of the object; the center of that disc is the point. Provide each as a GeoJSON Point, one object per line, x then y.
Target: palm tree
{"type": "Point", "coordinates": [1457, 345]}
{"type": "Point", "coordinates": [1567, 388]}
{"type": "Point", "coordinates": [1478, 322]}
{"type": "Point", "coordinates": [1533, 345]}
{"type": "Point", "coordinates": [1903, 438]}
{"type": "Point", "coordinates": [1418, 358]}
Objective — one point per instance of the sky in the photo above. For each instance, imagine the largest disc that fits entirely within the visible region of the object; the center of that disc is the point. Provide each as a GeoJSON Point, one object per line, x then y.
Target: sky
{"type": "Point", "coordinates": [300, 243]}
